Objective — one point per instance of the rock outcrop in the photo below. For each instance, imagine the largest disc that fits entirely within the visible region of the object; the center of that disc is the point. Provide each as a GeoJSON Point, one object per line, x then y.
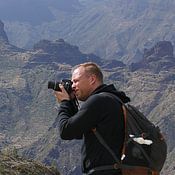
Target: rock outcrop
{"type": "Point", "coordinates": [159, 57]}
{"type": "Point", "coordinates": [5, 46]}
{"type": "Point", "coordinates": [3, 35]}
{"type": "Point", "coordinates": [60, 51]}
{"type": "Point", "coordinates": [161, 49]}
{"type": "Point", "coordinates": [14, 165]}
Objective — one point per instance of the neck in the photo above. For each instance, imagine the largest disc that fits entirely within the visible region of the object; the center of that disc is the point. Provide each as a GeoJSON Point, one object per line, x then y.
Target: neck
{"type": "Point", "coordinates": [96, 87]}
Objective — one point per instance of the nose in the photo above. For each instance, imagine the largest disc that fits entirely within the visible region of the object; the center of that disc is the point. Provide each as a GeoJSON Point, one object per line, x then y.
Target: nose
{"type": "Point", "coordinates": [73, 85]}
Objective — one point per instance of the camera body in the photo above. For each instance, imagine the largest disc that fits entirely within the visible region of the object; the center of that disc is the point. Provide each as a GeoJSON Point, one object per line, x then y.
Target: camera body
{"type": "Point", "coordinates": [65, 82]}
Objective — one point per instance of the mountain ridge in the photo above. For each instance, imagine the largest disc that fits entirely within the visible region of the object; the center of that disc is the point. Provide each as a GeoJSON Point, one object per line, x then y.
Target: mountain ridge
{"type": "Point", "coordinates": [28, 108]}
{"type": "Point", "coordinates": [111, 29]}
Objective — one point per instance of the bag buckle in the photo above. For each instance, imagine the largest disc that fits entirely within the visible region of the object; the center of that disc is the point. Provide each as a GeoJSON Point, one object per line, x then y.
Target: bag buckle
{"type": "Point", "coordinates": [116, 166]}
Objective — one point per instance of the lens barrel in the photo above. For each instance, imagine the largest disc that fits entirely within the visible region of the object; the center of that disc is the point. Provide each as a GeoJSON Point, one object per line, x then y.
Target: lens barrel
{"type": "Point", "coordinates": [65, 82]}
{"type": "Point", "coordinates": [54, 85]}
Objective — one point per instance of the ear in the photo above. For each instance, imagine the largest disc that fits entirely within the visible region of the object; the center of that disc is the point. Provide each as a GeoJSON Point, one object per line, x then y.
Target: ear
{"type": "Point", "coordinates": [92, 79]}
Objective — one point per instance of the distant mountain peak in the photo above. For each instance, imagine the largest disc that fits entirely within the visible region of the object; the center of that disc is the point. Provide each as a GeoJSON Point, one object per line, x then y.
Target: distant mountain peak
{"type": "Point", "coordinates": [5, 46]}
{"type": "Point", "coordinates": [52, 46]}
{"type": "Point", "coordinates": [60, 51]}
{"type": "Point", "coordinates": [3, 35]}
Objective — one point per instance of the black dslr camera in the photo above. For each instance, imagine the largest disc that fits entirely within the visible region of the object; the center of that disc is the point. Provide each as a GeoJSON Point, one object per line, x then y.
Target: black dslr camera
{"type": "Point", "coordinates": [65, 82]}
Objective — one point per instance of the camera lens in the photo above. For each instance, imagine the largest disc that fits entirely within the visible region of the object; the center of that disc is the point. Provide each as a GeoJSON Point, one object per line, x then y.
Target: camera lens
{"type": "Point", "coordinates": [54, 85]}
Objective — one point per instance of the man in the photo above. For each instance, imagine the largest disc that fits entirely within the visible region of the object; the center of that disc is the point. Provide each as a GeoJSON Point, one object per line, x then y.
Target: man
{"type": "Point", "coordinates": [99, 110]}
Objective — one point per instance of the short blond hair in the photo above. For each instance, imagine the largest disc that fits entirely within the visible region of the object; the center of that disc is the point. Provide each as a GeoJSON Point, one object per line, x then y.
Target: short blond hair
{"type": "Point", "coordinates": [91, 68]}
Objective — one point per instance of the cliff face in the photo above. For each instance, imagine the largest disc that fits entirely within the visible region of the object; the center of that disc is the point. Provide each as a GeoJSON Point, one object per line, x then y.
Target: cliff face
{"type": "Point", "coordinates": [159, 57]}
{"type": "Point", "coordinates": [61, 52]}
{"type": "Point", "coordinates": [28, 108]}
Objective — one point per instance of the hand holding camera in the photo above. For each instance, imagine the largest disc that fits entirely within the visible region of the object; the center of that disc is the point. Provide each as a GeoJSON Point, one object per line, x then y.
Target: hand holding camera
{"type": "Point", "coordinates": [62, 94]}
{"type": "Point", "coordinates": [63, 89]}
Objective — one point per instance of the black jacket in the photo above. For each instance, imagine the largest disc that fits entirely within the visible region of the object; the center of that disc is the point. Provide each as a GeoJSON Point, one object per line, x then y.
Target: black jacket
{"type": "Point", "coordinates": [102, 112]}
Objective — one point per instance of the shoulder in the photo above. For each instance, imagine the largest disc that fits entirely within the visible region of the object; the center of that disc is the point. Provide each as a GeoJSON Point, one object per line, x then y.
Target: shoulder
{"type": "Point", "coordinates": [96, 97]}
{"type": "Point", "coordinates": [94, 101]}
{"type": "Point", "coordinates": [102, 99]}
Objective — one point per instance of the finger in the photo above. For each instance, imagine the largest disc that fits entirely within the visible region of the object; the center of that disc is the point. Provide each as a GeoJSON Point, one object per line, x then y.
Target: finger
{"type": "Point", "coordinates": [62, 88]}
{"type": "Point", "coordinates": [56, 93]}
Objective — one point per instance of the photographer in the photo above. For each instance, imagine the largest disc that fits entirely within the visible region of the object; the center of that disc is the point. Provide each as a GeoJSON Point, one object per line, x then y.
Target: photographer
{"type": "Point", "coordinates": [99, 110]}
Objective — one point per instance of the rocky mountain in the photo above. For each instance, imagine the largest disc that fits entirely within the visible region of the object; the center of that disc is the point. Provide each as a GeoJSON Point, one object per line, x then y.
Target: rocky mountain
{"type": "Point", "coordinates": [28, 108]}
{"type": "Point", "coordinates": [35, 12]}
{"type": "Point", "coordinates": [111, 29]}
{"type": "Point", "coordinates": [61, 52]}
{"type": "Point", "coordinates": [159, 57]}
{"type": "Point", "coordinates": [5, 46]}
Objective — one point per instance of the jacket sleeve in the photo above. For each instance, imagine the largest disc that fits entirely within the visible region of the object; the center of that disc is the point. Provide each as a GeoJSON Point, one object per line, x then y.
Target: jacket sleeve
{"type": "Point", "coordinates": [73, 126]}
